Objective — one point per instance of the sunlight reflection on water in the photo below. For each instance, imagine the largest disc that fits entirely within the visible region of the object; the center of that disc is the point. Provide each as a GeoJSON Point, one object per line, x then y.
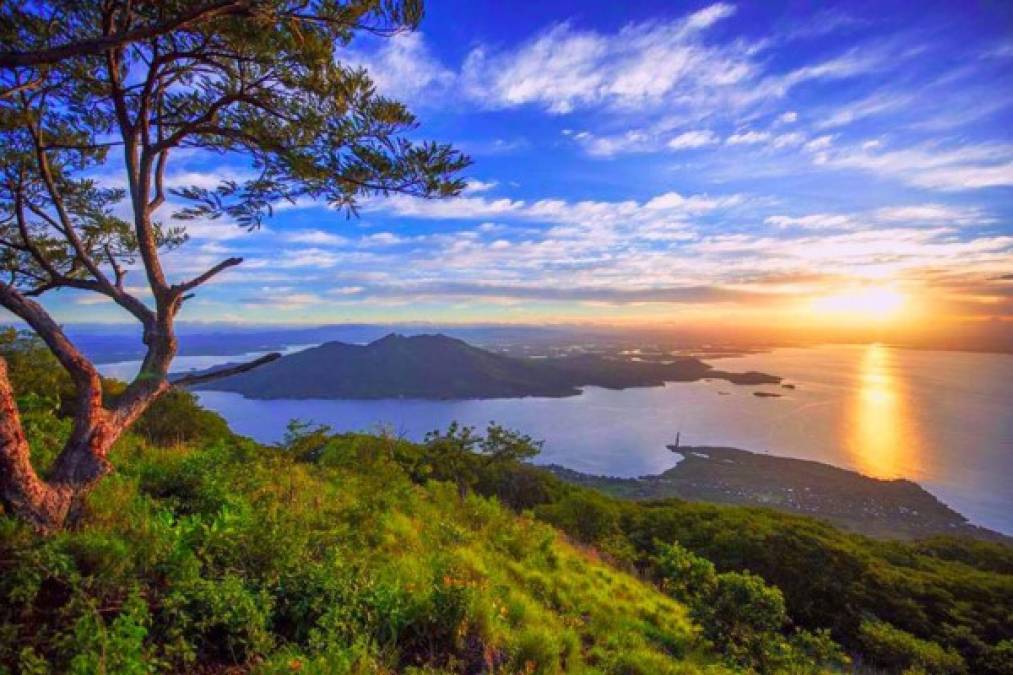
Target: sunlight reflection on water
{"type": "Point", "coordinates": [883, 442]}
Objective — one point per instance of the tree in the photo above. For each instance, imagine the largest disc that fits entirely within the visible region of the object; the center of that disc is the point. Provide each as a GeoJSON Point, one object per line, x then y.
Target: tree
{"type": "Point", "coordinates": [897, 649]}
{"type": "Point", "coordinates": [261, 82]}
{"type": "Point", "coordinates": [742, 616]}
{"type": "Point", "coordinates": [684, 575]}
{"type": "Point", "coordinates": [460, 455]}
{"type": "Point", "coordinates": [745, 616]}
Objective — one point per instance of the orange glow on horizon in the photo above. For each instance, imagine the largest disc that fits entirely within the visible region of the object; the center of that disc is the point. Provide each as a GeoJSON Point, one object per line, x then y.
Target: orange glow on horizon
{"type": "Point", "coordinates": [878, 303]}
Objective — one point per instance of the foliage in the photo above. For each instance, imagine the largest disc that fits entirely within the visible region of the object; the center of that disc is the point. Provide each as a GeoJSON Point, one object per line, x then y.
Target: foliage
{"type": "Point", "coordinates": [462, 456]}
{"type": "Point", "coordinates": [261, 82]}
{"type": "Point", "coordinates": [685, 576]}
{"type": "Point", "coordinates": [742, 615]}
{"type": "Point", "coordinates": [229, 554]}
{"type": "Point", "coordinates": [952, 592]}
{"type": "Point", "coordinates": [176, 417]}
{"type": "Point", "coordinates": [897, 649]}
{"type": "Point", "coordinates": [32, 369]}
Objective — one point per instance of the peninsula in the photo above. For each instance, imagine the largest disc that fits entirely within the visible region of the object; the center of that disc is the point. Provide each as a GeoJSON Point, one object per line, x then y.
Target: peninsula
{"type": "Point", "coordinates": [897, 508]}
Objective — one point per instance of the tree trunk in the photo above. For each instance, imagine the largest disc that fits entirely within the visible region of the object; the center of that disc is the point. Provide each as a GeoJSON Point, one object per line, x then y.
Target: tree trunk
{"type": "Point", "coordinates": [48, 504]}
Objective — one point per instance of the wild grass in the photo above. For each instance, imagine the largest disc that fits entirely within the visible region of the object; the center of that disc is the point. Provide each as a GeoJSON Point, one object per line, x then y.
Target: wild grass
{"type": "Point", "coordinates": [235, 555]}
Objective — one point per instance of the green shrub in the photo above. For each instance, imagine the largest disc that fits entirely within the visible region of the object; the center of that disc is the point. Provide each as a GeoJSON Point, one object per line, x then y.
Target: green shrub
{"type": "Point", "coordinates": [683, 575]}
{"type": "Point", "coordinates": [223, 620]}
{"type": "Point", "coordinates": [117, 647]}
{"type": "Point", "coordinates": [177, 418]}
{"type": "Point", "coordinates": [585, 515]}
{"type": "Point", "coordinates": [897, 649]}
{"type": "Point", "coordinates": [998, 660]}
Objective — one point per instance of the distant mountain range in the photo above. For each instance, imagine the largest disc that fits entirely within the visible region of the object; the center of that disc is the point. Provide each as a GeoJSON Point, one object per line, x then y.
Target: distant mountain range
{"type": "Point", "coordinates": [441, 367]}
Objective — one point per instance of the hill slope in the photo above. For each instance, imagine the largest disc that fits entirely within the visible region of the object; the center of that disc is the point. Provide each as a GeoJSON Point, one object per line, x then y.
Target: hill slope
{"type": "Point", "coordinates": [236, 557]}
{"type": "Point", "coordinates": [440, 367]}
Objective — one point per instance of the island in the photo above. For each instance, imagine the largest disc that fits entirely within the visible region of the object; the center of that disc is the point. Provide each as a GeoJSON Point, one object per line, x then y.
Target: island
{"type": "Point", "coordinates": [441, 367]}
{"type": "Point", "coordinates": [889, 509]}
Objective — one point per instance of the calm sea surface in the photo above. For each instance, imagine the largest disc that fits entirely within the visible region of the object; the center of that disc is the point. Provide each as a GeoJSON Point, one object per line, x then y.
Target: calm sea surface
{"type": "Point", "coordinates": [942, 419]}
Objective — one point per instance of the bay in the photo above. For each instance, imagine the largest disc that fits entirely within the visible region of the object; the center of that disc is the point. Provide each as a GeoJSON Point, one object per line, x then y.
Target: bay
{"type": "Point", "coordinates": [941, 419]}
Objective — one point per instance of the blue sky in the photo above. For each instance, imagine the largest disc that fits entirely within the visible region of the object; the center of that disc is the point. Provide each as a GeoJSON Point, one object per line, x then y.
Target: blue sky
{"type": "Point", "coordinates": [658, 162]}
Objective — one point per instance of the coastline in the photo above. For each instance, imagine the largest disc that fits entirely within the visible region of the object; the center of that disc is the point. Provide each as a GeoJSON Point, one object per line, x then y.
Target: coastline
{"type": "Point", "coordinates": [884, 509]}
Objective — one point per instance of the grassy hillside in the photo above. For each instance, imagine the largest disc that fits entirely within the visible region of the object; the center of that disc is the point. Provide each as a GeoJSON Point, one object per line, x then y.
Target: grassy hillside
{"type": "Point", "coordinates": [237, 555]}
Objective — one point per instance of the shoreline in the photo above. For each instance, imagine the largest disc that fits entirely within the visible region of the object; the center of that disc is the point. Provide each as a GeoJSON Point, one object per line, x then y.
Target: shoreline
{"type": "Point", "coordinates": [884, 509]}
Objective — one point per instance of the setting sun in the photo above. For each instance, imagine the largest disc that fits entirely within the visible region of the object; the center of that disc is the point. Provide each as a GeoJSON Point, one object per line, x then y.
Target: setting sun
{"type": "Point", "coordinates": [863, 303]}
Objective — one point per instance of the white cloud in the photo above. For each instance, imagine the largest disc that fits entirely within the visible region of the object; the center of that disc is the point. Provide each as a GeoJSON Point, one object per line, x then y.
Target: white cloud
{"type": "Point", "coordinates": [933, 213]}
{"type": "Point", "coordinates": [474, 185]}
{"type": "Point", "coordinates": [748, 138]}
{"type": "Point", "coordinates": [558, 211]}
{"type": "Point", "coordinates": [1001, 50]}
{"type": "Point", "coordinates": [815, 221]}
{"type": "Point", "coordinates": [306, 257]}
{"type": "Point", "coordinates": [404, 68]}
{"type": "Point", "coordinates": [642, 64]}
{"type": "Point", "coordinates": [872, 105]}
{"type": "Point", "coordinates": [910, 215]}
{"type": "Point", "coordinates": [282, 298]}
{"type": "Point", "coordinates": [948, 169]}
{"type": "Point", "coordinates": [645, 262]}
{"type": "Point", "coordinates": [789, 117]}
{"type": "Point", "coordinates": [855, 62]}
{"type": "Point", "coordinates": [218, 230]}
{"type": "Point", "coordinates": [315, 237]}
{"type": "Point", "coordinates": [819, 144]}
{"type": "Point", "coordinates": [461, 207]}
{"type": "Point", "coordinates": [346, 290]}
{"type": "Point", "coordinates": [787, 140]}
{"type": "Point", "coordinates": [692, 139]}
{"type": "Point", "coordinates": [384, 239]}
{"type": "Point", "coordinates": [634, 140]}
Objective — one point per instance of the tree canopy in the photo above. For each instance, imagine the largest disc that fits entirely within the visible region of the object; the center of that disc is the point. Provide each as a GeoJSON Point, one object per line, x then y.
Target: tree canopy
{"type": "Point", "coordinates": [122, 86]}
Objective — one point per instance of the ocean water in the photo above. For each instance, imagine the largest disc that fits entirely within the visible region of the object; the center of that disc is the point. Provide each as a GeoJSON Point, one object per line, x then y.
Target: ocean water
{"type": "Point", "coordinates": [942, 419]}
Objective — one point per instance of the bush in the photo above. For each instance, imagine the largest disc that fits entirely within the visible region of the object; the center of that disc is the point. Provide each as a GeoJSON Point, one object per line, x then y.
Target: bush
{"type": "Point", "coordinates": [743, 616]}
{"type": "Point", "coordinates": [683, 575]}
{"type": "Point", "coordinates": [588, 517]}
{"type": "Point", "coordinates": [998, 660]}
{"type": "Point", "coordinates": [177, 418]}
{"type": "Point", "coordinates": [115, 648]}
{"type": "Point", "coordinates": [897, 649]}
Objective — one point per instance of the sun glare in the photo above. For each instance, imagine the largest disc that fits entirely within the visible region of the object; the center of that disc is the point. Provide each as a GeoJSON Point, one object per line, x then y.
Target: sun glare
{"type": "Point", "coordinates": [864, 303]}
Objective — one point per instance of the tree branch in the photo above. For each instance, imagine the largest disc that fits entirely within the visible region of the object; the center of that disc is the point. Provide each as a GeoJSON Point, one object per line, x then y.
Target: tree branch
{"type": "Point", "coordinates": [25, 86]}
{"type": "Point", "coordinates": [16, 59]}
{"type": "Point", "coordinates": [200, 378]}
{"type": "Point", "coordinates": [80, 369]}
{"type": "Point", "coordinates": [197, 281]}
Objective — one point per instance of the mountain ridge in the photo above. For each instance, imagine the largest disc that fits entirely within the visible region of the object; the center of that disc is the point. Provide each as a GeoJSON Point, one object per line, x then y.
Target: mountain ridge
{"type": "Point", "coordinates": [435, 366]}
